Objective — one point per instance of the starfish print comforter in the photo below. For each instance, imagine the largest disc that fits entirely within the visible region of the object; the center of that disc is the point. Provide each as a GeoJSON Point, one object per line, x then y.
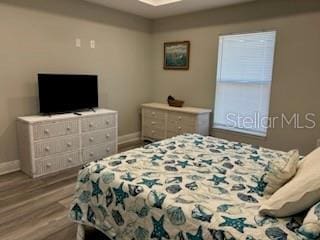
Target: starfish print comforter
{"type": "Point", "coordinates": [188, 187]}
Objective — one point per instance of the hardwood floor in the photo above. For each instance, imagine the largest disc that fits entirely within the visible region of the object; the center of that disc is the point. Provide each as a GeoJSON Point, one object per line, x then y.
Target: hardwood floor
{"type": "Point", "coordinates": [37, 209]}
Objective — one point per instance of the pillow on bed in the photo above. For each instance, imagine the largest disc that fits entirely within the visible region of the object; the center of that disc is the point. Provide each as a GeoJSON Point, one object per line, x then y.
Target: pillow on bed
{"type": "Point", "coordinates": [300, 193]}
{"type": "Point", "coordinates": [281, 171]}
{"type": "Point", "coordinates": [311, 223]}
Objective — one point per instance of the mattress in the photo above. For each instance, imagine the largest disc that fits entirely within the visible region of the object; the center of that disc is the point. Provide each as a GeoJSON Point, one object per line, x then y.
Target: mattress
{"type": "Point", "coordinates": [188, 187]}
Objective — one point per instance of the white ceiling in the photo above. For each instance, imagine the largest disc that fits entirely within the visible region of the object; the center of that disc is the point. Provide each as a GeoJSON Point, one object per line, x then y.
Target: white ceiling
{"type": "Point", "coordinates": [153, 12]}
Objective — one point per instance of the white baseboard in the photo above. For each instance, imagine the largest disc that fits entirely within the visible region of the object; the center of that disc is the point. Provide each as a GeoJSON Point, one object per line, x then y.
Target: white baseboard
{"type": "Point", "coordinates": [13, 166]}
{"type": "Point", "coordinates": [9, 167]}
{"type": "Point", "coordinates": [129, 138]}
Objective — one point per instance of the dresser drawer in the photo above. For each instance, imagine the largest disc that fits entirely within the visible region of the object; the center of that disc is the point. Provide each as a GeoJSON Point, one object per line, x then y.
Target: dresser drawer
{"type": "Point", "coordinates": [98, 122]}
{"type": "Point", "coordinates": [182, 118]}
{"type": "Point", "coordinates": [98, 152]}
{"type": "Point", "coordinates": [180, 129]}
{"type": "Point", "coordinates": [171, 134]}
{"type": "Point", "coordinates": [94, 138]}
{"type": "Point", "coordinates": [154, 123]}
{"type": "Point", "coordinates": [154, 133]}
{"type": "Point", "coordinates": [55, 129]}
{"type": "Point", "coordinates": [57, 163]}
{"type": "Point", "coordinates": [59, 145]}
{"type": "Point", "coordinates": [154, 113]}
{"type": "Point", "coordinates": [176, 133]}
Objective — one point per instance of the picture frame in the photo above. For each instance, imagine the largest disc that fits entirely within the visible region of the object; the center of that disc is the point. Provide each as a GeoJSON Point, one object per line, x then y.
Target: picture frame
{"type": "Point", "coordinates": [176, 55]}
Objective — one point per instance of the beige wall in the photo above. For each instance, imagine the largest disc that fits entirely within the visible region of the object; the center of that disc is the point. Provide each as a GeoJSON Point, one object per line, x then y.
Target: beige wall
{"type": "Point", "coordinates": [296, 80]}
{"type": "Point", "coordinates": [39, 36]}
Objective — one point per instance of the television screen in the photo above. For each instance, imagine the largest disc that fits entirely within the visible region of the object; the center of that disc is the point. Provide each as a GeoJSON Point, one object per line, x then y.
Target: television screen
{"type": "Point", "coordinates": [67, 93]}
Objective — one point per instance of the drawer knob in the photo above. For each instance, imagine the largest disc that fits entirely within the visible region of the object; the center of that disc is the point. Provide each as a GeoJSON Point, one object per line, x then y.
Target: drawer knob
{"type": "Point", "coordinates": [152, 131]}
{"type": "Point", "coordinates": [108, 136]}
{"type": "Point", "coordinates": [107, 122]}
{"type": "Point", "coordinates": [108, 150]}
{"type": "Point", "coordinates": [91, 124]}
{"type": "Point", "coordinates": [153, 113]}
{"type": "Point", "coordinates": [69, 144]}
{"type": "Point", "coordinates": [91, 154]}
{"type": "Point", "coordinates": [70, 160]}
{"type": "Point", "coordinates": [47, 149]}
{"type": "Point", "coordinates": [68, 128]}
{"type": "Point", "coordinates": [179, 128]}
{"type": "Point", "coordinates": [180, 118]}
{"type": "Point", "coordinates": [46, 131]}
{"type": "Point", "coordinates": [49, 165]}
{"type": "Point", "coordinates": [91, 139]}
{"type": "Point", "coordinates": [153, 123]}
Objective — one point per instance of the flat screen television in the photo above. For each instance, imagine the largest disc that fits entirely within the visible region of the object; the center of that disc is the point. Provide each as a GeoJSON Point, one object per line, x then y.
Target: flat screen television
{"type": "Point", "coordinates": [59, 93]}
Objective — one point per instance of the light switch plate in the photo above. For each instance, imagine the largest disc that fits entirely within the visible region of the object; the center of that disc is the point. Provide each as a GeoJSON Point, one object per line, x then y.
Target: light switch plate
{"type": "Point", "coordinates": [93, 44]}
{"type": "Point", "coordinates": [78, 42]}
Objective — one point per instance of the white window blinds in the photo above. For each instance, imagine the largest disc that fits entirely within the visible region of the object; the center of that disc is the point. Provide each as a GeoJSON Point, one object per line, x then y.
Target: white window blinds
{"type": "Point", "coordinates": [244, 76]}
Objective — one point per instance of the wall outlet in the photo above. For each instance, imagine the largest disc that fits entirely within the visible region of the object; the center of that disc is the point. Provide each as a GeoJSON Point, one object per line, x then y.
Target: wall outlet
{"type": "Point", "coordinates": [93, 44]}
{"type": "Point", "coordinates": [318, 142]}
{"type": "Point", "coordinates": [78, 42]}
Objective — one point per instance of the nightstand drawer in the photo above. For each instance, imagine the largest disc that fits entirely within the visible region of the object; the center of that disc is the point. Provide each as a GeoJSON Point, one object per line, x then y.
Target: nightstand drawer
{"type": "Point", "coordinates": [59, 145]}
{"type": "Point", "coordinates": [94, 138]}
{"type": "Point", "coordinates": [98, 122]}
{"type": "Point", "coordinates": [57, 163]}
{"type": "Point", "coordinates": [154, 113]}
{"type": "Point", "coordinates": [55, 129]}
{"type": "Point", "coordinates": [98, 152]}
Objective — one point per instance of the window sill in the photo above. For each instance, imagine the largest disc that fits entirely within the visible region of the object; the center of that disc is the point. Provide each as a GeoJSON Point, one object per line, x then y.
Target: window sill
{"type": "Point", "coordinates": [239, 134]}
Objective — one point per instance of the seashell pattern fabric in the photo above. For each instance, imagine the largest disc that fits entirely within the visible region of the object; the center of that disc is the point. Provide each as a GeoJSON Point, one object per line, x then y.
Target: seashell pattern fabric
{"type": "Point", "coordinates": [188, 187]}
{"type": "Point", "coordinates": [311, 223]}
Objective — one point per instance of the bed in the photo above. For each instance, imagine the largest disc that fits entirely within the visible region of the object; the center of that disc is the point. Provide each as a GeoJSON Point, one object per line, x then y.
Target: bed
{"type": "Point", "coordinates": [188, 187]}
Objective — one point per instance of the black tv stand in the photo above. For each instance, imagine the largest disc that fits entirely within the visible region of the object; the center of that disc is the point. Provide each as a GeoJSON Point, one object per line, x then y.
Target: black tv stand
{"type": "Point", "coordinates": [92, 109]}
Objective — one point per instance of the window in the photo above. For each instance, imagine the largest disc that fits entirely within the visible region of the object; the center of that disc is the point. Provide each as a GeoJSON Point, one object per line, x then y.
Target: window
{"type": "Point", "coordinates": [244, 76]}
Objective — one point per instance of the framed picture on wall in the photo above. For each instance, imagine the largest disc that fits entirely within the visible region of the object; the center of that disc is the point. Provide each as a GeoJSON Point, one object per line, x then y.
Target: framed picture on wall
{"type": "Point", "coordinates": [176, 55]}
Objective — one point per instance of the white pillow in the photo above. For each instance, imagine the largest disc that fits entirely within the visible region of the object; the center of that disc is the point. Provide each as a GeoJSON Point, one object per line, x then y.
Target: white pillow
{"type": "Point", "coordinates": [300, 193]}
{"type": "Point", "coordinates": [311, 223]}
{"type": "Point", "coordinates": [281, 171]}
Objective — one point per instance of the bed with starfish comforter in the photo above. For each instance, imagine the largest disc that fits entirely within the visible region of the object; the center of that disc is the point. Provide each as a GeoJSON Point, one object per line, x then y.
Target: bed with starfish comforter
{"type": "Point", "coordinates": [188, 187]}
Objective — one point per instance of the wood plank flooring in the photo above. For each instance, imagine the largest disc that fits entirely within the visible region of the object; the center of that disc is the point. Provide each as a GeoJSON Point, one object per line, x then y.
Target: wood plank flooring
{"type": "Point", "coordinates": [37, 209]}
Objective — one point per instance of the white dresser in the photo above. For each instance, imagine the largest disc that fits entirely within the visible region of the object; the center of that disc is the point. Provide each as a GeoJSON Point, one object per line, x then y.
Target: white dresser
{"type": "Point", "coordinates": [49, 144]}
{"type": "Point", "coordinates": [160, 121]}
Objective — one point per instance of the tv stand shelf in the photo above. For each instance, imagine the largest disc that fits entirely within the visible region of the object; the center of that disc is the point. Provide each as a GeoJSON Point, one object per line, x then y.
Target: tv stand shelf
{"type": "Point", "coordinates": [53, 143]}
